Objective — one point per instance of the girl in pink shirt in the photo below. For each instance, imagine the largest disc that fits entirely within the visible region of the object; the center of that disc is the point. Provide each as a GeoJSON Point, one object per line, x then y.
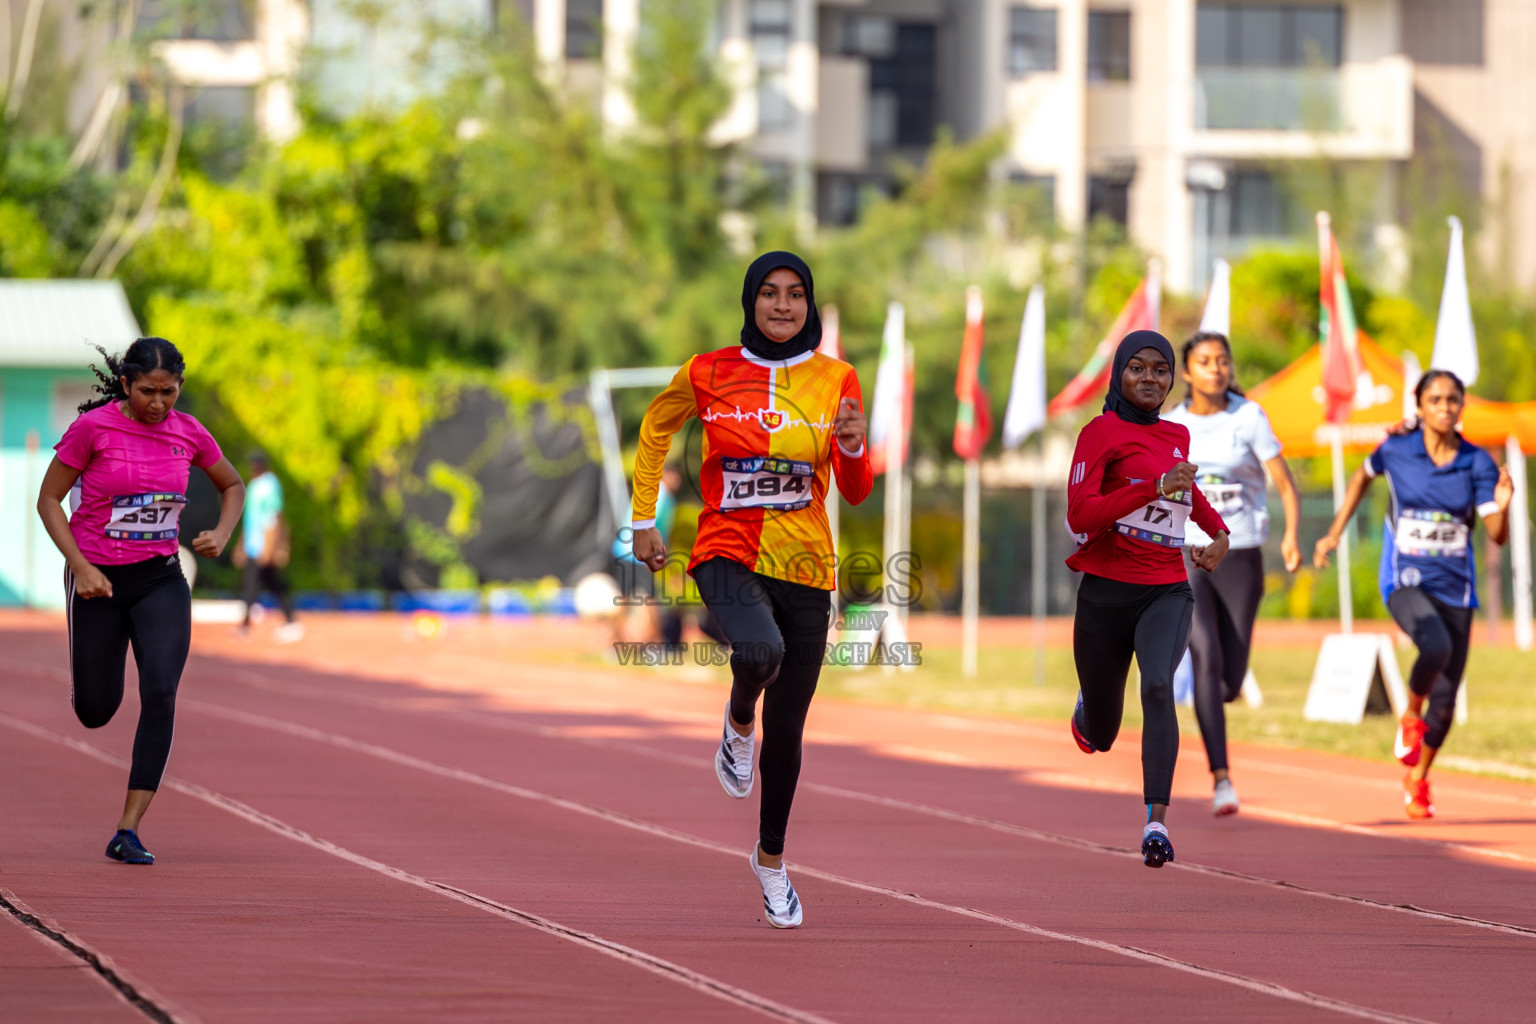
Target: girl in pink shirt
{"type": "Point", "coordinates": [130, 453]}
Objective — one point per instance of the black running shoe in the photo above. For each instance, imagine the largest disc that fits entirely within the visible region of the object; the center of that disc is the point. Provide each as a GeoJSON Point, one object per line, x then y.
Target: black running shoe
{"type": "Point", "coordinates": [1156, 847]}
{"type": "Point", "coordinates": [1082, 741]}
{"type": "Point", "coordinates": [125, 846]}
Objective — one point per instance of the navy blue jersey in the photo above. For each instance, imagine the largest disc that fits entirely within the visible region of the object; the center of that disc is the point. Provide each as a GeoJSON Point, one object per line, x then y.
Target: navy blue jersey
{"type": "Point", "coordinates": [1428, 540]}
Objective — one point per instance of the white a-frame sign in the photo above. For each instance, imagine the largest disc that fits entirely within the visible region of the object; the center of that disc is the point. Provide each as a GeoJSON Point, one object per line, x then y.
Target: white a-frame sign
{"type": "Point", "coordinates": [1355, 673]}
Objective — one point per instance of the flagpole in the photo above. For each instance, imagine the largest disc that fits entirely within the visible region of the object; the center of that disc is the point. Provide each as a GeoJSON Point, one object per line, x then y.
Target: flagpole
{"type": "Point", "coordinates": [831, 345]}
{"type": "Point", "coordinates": [1520, 542]}
{"type": "Point", "coordinates": [970, 602]}
{"type": "Point", "coordinates": [1037, 559]}
{"type": "Point", "coordinates": [1346, 598]}
{"type": "Point", "coordinates": [904, 471]}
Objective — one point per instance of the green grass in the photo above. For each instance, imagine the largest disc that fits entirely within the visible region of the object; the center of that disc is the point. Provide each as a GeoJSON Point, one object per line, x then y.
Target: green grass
{"type": "Point", "coordinates": [1501, 724]}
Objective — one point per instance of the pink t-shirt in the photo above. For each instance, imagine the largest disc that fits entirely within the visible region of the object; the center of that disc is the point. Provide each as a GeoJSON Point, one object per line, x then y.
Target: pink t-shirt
{"type": "Point", "coordinates": [133, 481]}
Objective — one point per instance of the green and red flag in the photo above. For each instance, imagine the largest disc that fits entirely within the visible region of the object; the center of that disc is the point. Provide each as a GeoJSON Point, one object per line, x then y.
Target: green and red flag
{"type": "Point", "coordinates": [973, 421]}
{"type": "Point", "coordinates": [1341, 351]}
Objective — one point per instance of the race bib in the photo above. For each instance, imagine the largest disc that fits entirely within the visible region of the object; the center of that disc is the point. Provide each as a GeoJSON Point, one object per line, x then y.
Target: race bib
{"type": "Point", "coordinates": [1425, 533]}
{"type": "Point", "coordinates": [146, 516]}
{"type": "Point", "coordinates": [765, 482]}
{"type": "Point", "coordinates": [1226, 498]}
{"type": "Point", "coordinates": [1160, 522]}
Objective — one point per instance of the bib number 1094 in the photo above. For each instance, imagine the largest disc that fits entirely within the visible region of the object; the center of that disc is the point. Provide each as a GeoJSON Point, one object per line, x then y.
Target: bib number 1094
{"type": "Point", "coordinates": [782, 484]}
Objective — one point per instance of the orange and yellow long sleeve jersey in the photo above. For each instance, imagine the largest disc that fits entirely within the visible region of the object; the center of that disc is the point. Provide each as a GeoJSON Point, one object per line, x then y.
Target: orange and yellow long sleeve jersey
{"type": "Point", "coordinates": [768, 447]}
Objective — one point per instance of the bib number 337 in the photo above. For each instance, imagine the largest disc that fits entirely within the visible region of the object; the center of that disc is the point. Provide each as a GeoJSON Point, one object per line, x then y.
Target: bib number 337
{"type": "Point", "coordinates": [781, 484]}
{"type": "Point", "coordinates": [146, 516]}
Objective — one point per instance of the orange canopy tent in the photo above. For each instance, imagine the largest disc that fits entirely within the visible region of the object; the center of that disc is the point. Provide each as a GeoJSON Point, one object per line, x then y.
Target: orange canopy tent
{"type": "Point", "coordinates": [1293, 398]}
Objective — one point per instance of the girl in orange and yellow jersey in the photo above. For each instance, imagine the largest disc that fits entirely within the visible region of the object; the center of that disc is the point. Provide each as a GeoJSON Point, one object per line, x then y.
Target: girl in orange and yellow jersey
{"type": "Point", "coordinates": [778, 417]}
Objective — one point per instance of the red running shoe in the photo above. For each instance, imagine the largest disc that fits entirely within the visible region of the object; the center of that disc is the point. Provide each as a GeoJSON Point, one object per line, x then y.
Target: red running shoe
{"type": "Point", "coordinates": [1416, 798]}
{"type": "Point", "coordinates": [1409, 742]}
{"type": "Point", "coordinates": [1082, 742]}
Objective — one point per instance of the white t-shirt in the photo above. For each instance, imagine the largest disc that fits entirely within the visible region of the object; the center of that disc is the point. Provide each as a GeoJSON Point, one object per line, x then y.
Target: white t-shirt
{"type": "Point", "coordinates": [1230, 449]}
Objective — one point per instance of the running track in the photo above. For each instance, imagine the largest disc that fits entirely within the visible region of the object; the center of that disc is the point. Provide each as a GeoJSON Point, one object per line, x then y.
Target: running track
{"type": "Point", "coordinates": [367, 827]}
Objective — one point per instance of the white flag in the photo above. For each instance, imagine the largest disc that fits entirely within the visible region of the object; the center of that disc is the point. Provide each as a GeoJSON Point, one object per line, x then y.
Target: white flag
{"type": "Point", "coordinates": [1411, 374]}
{"type": "Point", "coordinates": [890, 382]}
{"type": "Point", "coordinates": [1026, 396]}
{"type": "Point", "coordinates": [1455, 339]}
{"type": "Point", "coordinates": [1218, 303]}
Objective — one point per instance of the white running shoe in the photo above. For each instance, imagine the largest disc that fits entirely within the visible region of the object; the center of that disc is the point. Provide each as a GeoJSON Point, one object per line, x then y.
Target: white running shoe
{"type": "Point", "coordinates": [1225, 800]}
{"type": "Point", "coordinates": [288, 632]}
{"type": "Point", "coordinates": [781, 904]}
{"type": "Point", "coordinates": [733, 760]}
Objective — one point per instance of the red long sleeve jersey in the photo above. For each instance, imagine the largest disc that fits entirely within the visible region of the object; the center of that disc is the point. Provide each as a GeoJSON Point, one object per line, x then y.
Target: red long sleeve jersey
{"type": "Point", "coordinates": [1133, 535]}
{"type": "Point", "coordinates": [768, 451]}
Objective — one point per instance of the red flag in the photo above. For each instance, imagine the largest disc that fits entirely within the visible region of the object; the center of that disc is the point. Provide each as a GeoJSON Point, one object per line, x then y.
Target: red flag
{"type": "Point", "coordinates": [1092, 381]}
{"type": "Point", "coordinates": [1341, 352]}
{"type": "Point", "coordinates": [973, 420]}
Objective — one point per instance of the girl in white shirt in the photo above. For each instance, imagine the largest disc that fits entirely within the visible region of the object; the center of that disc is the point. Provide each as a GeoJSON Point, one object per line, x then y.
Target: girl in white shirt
{"type": "Point", "coordinates": [1231, 443]}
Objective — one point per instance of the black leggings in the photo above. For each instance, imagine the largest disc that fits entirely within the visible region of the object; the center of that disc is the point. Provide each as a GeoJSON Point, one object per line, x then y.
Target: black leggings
{"type": "Point", "coordinates": [265, 577]}
{"type": "Point", "coordinates": [778, 633]}
{"type": "Point", "coordinates": [1443, 635]}
{"type": "Point", "coordinates": [151, 609]}
{"type": "Point", "coordinates": [1226, 603]}
{"type": "Point", "coordinates": [1114, 621]}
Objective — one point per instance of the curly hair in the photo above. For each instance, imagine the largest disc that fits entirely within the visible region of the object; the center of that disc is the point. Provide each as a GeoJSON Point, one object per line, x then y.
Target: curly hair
{"type": "Point", "coordinates": [144, 356]}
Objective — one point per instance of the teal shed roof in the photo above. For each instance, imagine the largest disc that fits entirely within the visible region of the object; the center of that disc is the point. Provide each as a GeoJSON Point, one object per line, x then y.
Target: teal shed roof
{"type": "Point", "coordinates": [54, 323]}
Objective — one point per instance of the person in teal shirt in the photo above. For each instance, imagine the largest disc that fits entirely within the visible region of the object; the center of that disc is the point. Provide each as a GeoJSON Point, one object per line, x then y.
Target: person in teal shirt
{"type": "Point", "coordinates": [265, 546]}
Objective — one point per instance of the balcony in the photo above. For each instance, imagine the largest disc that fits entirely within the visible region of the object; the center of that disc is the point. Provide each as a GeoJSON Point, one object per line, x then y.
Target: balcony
{"type": "Point", "coordinates": [1359, 110]}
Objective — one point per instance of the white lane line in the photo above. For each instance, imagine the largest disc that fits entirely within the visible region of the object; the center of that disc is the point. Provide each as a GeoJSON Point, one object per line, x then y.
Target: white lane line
{"type": "Point", "coordinates": [563, 733]}
{"type": "Point", "coordinates": [259, 682]}
{"type": "Point", "coordinates": [618, 951]}
{"type": "Point", "coordinates": [613, 817]}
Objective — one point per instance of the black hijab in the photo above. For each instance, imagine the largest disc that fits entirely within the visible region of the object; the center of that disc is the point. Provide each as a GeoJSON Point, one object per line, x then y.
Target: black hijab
{"type": "Point", "coordinates": [754, 340]}
{"type": "Point", "coordinates": [1132, 343]}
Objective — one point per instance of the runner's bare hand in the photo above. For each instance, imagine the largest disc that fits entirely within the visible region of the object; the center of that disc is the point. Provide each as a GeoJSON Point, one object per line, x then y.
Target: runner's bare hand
{"type": "Point", "coordinates": [850, 425]}
{"type": "Point", "coordinates": [1209, 556]}
{"type": "Point", "coordinates": [209, 544]}
{"type": "Point", "coordinates": [1180, 478]}
{"type": "Point", "coordinates": [1504, 490]}
{"type": "Point", "coordinates": [90, 581]}
{"type": "Point", "coordinates": [1325, 545]}
{"type": "Point", "coordinates": [650, 549]}
{"type": "Point", "coordinates": [1290, 552]}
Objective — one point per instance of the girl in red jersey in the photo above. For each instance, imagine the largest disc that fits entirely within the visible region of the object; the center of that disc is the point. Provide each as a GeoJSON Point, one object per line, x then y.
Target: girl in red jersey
{"type": "Point", "coordinates": [1130, 494]}
{"type": "Point", "coordinates": [778, 418]}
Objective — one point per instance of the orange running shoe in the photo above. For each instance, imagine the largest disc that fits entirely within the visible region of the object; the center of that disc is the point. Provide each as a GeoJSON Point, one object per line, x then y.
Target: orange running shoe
{"type": "Point", "coordinates": [1409, 742]}
{"type": "Point", "coordinates": [1416, 798]}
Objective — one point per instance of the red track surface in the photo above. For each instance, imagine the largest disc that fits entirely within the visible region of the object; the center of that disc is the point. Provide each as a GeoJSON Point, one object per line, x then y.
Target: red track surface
{"type": "Point", "coordinates": [367, 827]}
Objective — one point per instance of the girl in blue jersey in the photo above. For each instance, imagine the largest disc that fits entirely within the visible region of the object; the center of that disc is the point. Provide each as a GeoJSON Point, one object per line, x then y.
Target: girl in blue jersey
{"type": "Point", "coordinates": [1440, 484]}
{"type": "Point", "coordinates": [1230, 439]}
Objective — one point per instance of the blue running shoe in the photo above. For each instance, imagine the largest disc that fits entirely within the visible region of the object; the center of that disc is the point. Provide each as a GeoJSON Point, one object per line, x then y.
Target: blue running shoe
{"type": "Point", "coordinates": [125, 846]}
{"type": "Point", "coordinates": [1081, 740]}
{"type": "Point", "coordinates": [1156, 847]}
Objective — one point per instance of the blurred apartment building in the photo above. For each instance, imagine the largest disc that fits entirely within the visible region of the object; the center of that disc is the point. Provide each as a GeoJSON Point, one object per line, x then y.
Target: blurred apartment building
{"type": "Point", "coordinates": [1174, 118]}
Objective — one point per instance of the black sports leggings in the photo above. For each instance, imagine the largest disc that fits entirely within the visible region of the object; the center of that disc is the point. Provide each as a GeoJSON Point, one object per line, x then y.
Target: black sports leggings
{"type": "Point", "coordinates": [1114, 621]}
{"type": "Point", "coordinates": [265, 577]}
{"type": "Point", "coordinates": [150, 608]}
{"type": "Point", "coordinates": [778, 633]}
{"type": "Point", "coordinates": [1443, 635]}
{"type": "Point", "coordinates": [1226, 603]}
